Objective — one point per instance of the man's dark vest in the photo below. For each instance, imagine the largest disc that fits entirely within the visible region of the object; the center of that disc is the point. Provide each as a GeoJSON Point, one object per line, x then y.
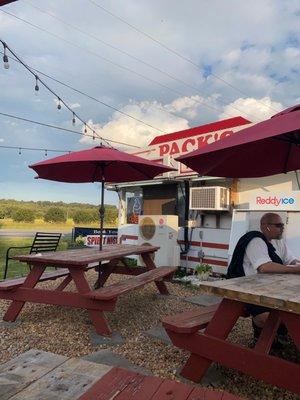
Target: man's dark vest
{"type": "Point", "coordinates": [235, 268]}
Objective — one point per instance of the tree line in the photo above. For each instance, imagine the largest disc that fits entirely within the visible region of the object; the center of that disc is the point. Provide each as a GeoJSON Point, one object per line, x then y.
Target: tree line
{"type": "Point", "coordinates": [55, 212]}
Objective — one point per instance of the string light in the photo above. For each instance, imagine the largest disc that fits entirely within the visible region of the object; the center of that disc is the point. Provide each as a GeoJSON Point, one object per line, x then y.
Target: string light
{"type": "Point", "coordinates": [46, 151]}
{"type": "Point", "coordinates": [38, 79]}
{"type": "Point", "coordinates": [5, 58]}
{"type": "Point", "coordinates": [62, 129]}
{"type": "Point", "coordinates": [36, 88]}
{"type": "Point", "coordinates": [73, 119]}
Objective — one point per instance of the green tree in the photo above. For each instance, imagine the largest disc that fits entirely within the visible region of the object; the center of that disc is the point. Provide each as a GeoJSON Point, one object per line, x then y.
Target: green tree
{"type": "Point", "coordinates": [111, 215]}
{"type": "Point", "coordinates": [83, 217]}
{"type": "Point", "coordinates": [23, 215]}
{"type": "Point", "coordinates": [55, 214]}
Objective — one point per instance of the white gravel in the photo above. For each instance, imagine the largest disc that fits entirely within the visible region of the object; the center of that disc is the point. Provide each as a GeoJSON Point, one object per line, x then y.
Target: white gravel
{"type": "Point", "coordinates": [65, 331]}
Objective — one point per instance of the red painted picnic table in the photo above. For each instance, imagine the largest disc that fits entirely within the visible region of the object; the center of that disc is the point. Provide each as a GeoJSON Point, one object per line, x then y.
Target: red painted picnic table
{"type": "Point", "coordinates": [280, 293]}
{"type": "Point", "coordinates": [73, 265]}
{"type": "Point", "coordinates": [121, 384]}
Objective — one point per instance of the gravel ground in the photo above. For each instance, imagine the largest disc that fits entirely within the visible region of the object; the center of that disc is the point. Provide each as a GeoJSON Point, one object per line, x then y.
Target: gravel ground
{"type": "Point", "coordinates": [66, 332]}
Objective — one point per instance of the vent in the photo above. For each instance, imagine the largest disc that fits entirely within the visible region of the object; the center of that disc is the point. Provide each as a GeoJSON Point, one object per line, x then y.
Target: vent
{"type": "Point", "coordinates": [209, 198]}
{"type": "Point", "coordinates": [147, 228]}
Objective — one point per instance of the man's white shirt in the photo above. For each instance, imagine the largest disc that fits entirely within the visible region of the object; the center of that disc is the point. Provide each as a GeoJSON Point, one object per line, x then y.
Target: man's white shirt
{"type": "Point", "coordinates": [257, 254]}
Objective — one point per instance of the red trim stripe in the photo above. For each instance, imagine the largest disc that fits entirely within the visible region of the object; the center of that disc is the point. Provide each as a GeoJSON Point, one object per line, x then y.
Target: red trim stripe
{"type": "Point", "coordinates": [206, 260]}
{"type": "Point", "coordinates": [207, 244]}
{"type": "Point", "coordinates": [198, 130]}
{"type": "Point", "coordinates": [128, 237]}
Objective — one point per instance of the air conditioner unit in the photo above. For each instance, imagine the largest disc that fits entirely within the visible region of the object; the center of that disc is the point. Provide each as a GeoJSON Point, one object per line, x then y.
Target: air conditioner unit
{"type": "Point", "coordinates": [209, 198]}
{"type": "Point", "coordinates": [162, 231]}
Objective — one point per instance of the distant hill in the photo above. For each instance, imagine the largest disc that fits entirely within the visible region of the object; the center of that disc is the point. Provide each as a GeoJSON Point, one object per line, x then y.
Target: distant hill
{"type": "Point", "coordinates": [9, 208]}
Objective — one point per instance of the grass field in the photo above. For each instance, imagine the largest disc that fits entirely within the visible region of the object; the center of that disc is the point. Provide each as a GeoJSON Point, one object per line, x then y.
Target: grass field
{"type": "Point", "coordinates": [16, 268]}
{"type": "Point", "coordinates": [40, 225]}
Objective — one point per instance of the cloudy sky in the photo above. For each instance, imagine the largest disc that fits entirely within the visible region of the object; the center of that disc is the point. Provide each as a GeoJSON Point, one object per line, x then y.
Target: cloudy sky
{"type": "Point", "coordinates": [143, 69]}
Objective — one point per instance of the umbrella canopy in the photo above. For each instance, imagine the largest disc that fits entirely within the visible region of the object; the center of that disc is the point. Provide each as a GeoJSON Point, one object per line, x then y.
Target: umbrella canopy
{"type": "Point", "coordinates": [96, 164]}
{"type": "Point", "coordinates": [267, 148]}
{"type": "Point", "coordinates": [3, 2]}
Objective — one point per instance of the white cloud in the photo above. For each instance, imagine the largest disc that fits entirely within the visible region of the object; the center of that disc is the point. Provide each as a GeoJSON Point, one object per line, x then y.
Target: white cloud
{"type": "Point", "coordinates": [1, 140]}
{"type": "Point", "coordinates": [74, 105]}
{"type": "Point", "coordinates": [259, 109]}
{"type": "Point", "coordinates": [127, 130]}
{"type": "Point", "coordinates": [253, 46]}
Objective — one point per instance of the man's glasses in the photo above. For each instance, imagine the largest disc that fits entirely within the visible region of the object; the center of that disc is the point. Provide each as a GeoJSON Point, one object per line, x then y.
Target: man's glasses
{"type": "Point", "coordinates": [278, 225]}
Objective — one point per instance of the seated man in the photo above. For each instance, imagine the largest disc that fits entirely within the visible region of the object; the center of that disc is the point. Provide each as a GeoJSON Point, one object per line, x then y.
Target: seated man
{"type": "Point", "coordinates": [263, 252]}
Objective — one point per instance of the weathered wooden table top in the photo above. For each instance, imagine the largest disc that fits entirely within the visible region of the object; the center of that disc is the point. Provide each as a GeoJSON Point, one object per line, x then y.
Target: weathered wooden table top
{"type": "Point", "coordinates": [279, 291]}
{"type": "Point", "coordinates": [83, 257]}
{"type": "Point", "coordinates": [40, 375]}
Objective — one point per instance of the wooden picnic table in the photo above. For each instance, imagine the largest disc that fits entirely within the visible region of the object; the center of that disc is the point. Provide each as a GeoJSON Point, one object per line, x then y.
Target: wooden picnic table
{"type": "Point", "coordinates": [280, 293]}
{"type": "Point", "coordinates": [38, 374]}
{"type": "Point", "coordinates": [73, 265]}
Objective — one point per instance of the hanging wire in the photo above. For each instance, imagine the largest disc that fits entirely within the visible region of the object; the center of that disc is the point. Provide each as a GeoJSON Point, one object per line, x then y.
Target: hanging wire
{"type": "Point", "coordinates": [201, 103]}
{"type": "Point", "coordinates": [46, 151]}
{"type": "Point", "coordinates": [176, 52]}
{"type": "Point", "coordinates": [134, 57]}
{"type": "Point", "coordinates": [62, 129]}
{"type": "Point", "coordinates": [60, 100]}
{"type": "Point", "coordinates": [101, 102]}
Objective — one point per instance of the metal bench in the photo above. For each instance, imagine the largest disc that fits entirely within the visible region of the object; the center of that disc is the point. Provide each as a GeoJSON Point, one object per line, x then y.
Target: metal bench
{"type": "Point", "coordinates": [42, 242]}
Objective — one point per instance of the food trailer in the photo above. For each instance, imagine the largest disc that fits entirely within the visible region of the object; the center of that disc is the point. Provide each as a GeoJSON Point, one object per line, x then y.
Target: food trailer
{"type": "Point", "coordinates": [197, 219]}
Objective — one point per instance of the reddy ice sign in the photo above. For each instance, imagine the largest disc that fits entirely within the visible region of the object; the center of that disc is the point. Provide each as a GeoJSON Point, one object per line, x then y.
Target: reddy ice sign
{"type": "Point", "coordinates": [275, 201]}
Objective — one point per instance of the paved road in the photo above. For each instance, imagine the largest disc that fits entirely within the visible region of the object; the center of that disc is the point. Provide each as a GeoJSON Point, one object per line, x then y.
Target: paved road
{"type": "Point", "coordinates": [22, 233]}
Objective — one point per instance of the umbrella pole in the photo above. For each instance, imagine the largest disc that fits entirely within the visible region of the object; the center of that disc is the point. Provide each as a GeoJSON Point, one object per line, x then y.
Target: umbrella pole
{"type": "Point", "coordinates": [101, 214]}
{"type": "Point", "coordinates": [101, 211]}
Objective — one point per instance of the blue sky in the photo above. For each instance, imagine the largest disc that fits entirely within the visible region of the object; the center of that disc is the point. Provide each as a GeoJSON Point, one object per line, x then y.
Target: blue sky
{"type": "Point", "coordinates": [233, 58]}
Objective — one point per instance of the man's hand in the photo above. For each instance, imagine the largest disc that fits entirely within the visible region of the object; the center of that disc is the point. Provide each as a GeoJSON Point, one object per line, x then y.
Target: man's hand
{"type": "Point", "coordinates": [275, 268]}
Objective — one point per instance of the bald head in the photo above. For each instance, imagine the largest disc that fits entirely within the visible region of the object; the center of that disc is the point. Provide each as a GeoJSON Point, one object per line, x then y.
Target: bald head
{"type": "Point", "coordinates": [269, 217]}
{"type": "Point", "coordinates": [272, 226]}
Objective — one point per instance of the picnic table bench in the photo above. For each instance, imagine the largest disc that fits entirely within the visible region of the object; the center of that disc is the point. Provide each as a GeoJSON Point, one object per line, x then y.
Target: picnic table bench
{"type": "Point", "coordinates": [280, 293]}
{"type": "Point", "coordinates": [38, 374]}
{"type": "Point", "coordinates": [72, 266]}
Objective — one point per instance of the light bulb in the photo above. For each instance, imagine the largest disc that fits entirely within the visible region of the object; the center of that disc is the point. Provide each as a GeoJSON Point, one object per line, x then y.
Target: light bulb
{"type": "Point", "coordinates": [36, 88]}
{"type": "Point", "coordinates": [85, 130]}
{"type": "Point", "coordinates": [73, 120]}
{"type": "Point", "coordinates": [5, 61]}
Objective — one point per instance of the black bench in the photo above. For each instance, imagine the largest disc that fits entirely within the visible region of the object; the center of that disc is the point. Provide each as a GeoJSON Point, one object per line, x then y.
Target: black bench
{"type": "Point", "coordinates": [43, 241]}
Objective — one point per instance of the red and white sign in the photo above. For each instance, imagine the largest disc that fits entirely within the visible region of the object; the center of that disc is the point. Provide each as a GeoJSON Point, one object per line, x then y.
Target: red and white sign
{"type": "Point", "coordinates": [94, 240]}
{"type": "Point", "coordinates": [165, 148]}
{"type": "Point", "coordinates": [275, 201]}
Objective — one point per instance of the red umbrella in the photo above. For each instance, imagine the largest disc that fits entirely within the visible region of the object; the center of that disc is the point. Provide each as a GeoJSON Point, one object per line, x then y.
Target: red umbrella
{"type": "Point", "coordinates": [98, 164]}
{"type": "Point", "coordinates": [267, 148]}
{"type": "Point", "coordinates": [3, 2]}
